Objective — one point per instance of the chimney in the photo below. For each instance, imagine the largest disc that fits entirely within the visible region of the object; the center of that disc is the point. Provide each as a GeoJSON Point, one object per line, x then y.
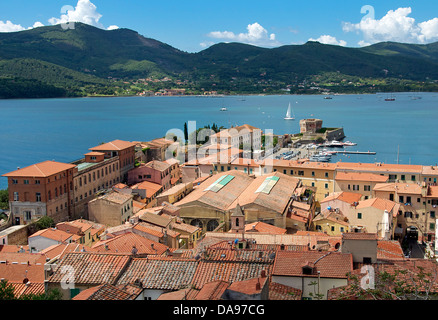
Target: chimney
{"type": "Point", "coordinates": [263, 274]}
{"type": "Point", "coordinates": [258, 284]}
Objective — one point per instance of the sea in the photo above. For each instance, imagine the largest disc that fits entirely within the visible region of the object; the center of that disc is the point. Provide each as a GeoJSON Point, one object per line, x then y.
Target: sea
{"type": "Point", "coordinates": [403, 131]}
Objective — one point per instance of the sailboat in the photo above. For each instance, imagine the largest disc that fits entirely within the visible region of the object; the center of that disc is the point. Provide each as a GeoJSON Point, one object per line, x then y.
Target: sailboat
{"type": "Point", "coordinates": [289, 114]}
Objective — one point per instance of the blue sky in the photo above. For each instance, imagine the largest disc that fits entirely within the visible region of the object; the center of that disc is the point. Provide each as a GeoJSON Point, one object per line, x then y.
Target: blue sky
{"type": "Point", "coordinates": [193, 25]}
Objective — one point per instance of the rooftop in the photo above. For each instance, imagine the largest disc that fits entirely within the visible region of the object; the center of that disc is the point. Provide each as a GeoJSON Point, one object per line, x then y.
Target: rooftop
{"type": "Point", "coordinates": [115, 145]}
{"type": "Point", "coordinates": [41, 170]}
{"type": "Point", "coordinates": [360, 176]}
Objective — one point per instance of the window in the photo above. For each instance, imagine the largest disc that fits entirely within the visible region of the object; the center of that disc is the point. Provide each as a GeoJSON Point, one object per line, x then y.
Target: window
{"type": "Point", "coordinates": [26, 181]}
{"type": "Point", "coordinates": [408, 199]}
{"type": "Point", "coordinates": [37, 182]}
{"type": "Point", "coordinates": [432, 226]}
{"type": "Point", "coordinates": [14, 181]}
{"type": "Point", "coordinates": [333, 228]}
{"type": "Point", "coordinates": [402, 177]}
{"type": "Point", "coordinates": [326, 175]}
{"type": "Point", "coordinates": [432, 214]}
{"type": "Point", "coordinates": [28, 215]}
{"type": "Point", "coordinates": [359, 215]}
{"type": "Point", "coordinates": [313, 173]}
{"type": "Point", "coordinates": [342, 229]}
{"type": "Point", "coordinates": [367, 188]}
{"type": "Point", "coordinates": [16, 198]}
{"type": "Point", "coordinates": [38, 197]}
{"type": "Point", "coordinates": [391, 197]}
{"type": "Point", "coordinates": [408, 214]}
{"type": "Point", "coordinates": [326, 185]}
{"type": "Point", "coordinates": [413, 178]}
{"type": "Point", "coordinates": [301, 173]}
{"type": "Point", "coordinates": [401, 199]}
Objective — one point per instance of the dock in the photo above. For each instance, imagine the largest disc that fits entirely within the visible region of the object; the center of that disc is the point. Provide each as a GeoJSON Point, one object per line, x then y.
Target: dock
{"type": "Point", "coordinates": [354, 152]}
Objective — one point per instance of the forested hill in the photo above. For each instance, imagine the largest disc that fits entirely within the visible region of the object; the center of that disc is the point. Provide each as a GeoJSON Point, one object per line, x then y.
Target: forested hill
{"type": "Point", "coordinates": [91, 61]}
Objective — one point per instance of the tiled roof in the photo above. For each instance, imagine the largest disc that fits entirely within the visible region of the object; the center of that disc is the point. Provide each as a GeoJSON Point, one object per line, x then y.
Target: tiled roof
{"type": "Point", "coordinates": [279, 291]}
{"type": "Point", "coordinates": [17, 272]}
{"type": "Point", "coordinates": [160, 272]}
{"type": "Point", "coordinates": [124, 243]}
{"type": "Point", "coordinates": [264, 227]}
{"type": "Point", "coordinates": [158, 165]}
{"type": "Point", "coordinates": [241, 255]}
{"type": "Point", "coordinates": [348, 197]}
{"type": "Point", "coordinates": [113, 146]}
{"type": "Point", "coordinates": [54, 234]}
{"type": "Point", "coordinates": [21, 289]}
{"type": "Point", "coordinates": [105, 292]}
{"type": "Point", "coordinates": [402, 188]}
{"type": "Point", "coordinates": [183, 294]}
{"type": "Point", "coordinates": [378, 167]}
{"type": "Point", "coordinates": [276, 200]}
{"type": "Point", "coordinates": [208, 271]}
{"type": "Point", "coordinates": [360, 176]}
{"type": "Point", "coordinates": [150, 187]}
{"type": "Point", "coordinates": [359, 236]}
{"type": "Point", "coordinates": [330, 265]}
{"type": "Point", "coordinates": [40, 170]}
{"type": "Point", "coordinates": [430, 170]}
{"type": "Point", "coordinates": [432, 192]}
{"type": "Point", "coordinates": [155, 219]}
{"type": "Point", "coordinates": [91, 268]}
{"type": "Point", "coordinates": [212, 290]}
{"type": "Point", "coordinates": [12, 248]}
{"type": "Point", "coordinates": [249, 286]}
{"type": "Point", "coordinates": [378, 203]}
{"type": "Point", "coordinates": [224, 197]}
{"type": "Point", "coordinates": [27, 258]}
{"type": "Point", "coordinates": [389, 249]}
{"type": "Point", "coordinates": [115, 197]}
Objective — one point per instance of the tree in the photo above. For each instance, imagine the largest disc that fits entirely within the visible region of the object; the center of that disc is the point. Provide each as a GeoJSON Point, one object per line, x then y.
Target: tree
{"type": "Point", "coordinates": [45, 223]}
{"type": "Point", "coordinates": [186, 132]}
{"type": "Point", "coordinates": [53, 294]}
{"type": "Point", "coordinates": [6, 290]}
{"type": "Point", "coordinates": [4, 199]}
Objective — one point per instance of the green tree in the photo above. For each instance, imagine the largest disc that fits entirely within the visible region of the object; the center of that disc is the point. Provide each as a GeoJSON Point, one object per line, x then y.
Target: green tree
{"type": "Point", "coordinates": [44, 223]}
{"type": "Point", "coordinates": [4, 199]}
{"type": "Point", "coordinates": [6, 291]}
{"type": "Point", "coordinates": [53, 294]}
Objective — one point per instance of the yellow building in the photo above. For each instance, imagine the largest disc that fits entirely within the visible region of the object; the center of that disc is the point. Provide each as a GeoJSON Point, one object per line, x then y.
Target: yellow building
{"type": "Point", "coordinates": [331, 222]}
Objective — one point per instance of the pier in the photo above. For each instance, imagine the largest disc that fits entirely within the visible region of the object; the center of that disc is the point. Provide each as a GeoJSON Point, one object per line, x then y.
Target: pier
{"type": "Point", "coordinates": [353, 152]}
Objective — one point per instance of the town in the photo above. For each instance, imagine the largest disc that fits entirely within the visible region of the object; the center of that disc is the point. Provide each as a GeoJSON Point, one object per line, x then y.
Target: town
{"type": "Point", "coordinates": [130, 222]}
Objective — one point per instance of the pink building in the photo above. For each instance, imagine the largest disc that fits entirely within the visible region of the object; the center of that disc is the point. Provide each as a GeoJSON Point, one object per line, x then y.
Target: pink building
{"type": "Point", "coordinates": [159, 172]}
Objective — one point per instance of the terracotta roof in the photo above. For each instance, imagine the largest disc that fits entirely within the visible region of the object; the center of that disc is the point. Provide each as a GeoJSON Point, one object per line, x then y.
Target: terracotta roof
{"type": "Point", "coordinates": [381, 204]}
{"type": "Point", "coordinates": [94, 153]}
{"type": "Point", "coordinates": [150, 187]}
{"type": "Point", "coordinates": [389, 249]}
{"type": "Point", "coordinates": [359, 236]}
{"type": "Point", "coordinates": [159, 143]}
{"type": "Point", "coordinates": [348, 197]}
{"type": "Point", "coordinates": [183, 294]}
{"type": "Point", "coordinates": [155, 219]}
{"type": "Point", "coordinates": [432, 192]}
{"type": "Point", "coordinates": [54, 234]}
{"type": "Point", "coordinates": [91, 268]}
{"type": "Point", "coordinates": [157, 165]}
{"type": "Point", "coordinates": [115, 145]}
{"type": "Point", "coordinates": [402, 188]}
{"type": "Point", "coordinates": [279, 291]}
{"type": "Point", "coordinates": [276, 199]}
{"type": "Point", "coordinates": [221, 199]}
{"type": "Point", "coordinates": [360, 176]}
{"type": "Point", "coordinates": [4, 248]}
{"type": "Point", "coordinates": [264, 227]}
{"type": "Point", "coordinates": [17, 272]}
{"type": "Point", "coordinates": [249, 286]}
{"type": "Point", "coordinates": [378, 167]}
{"type": "Point", "coordinates": [332, 216]}
{"type": "Point", "coordinates": [162, 273]}
{"type": "Point", "coordinates": [229, 271]}
{"type": "Point", "coordinates": [115, 197]}
{"type": "Point", "coordinates": [124, 243]}
{"type": "Point", "coordinates": [23, 258]}
{"type": "Point", "coordinates": [212, 290]}
{"type": "Point", "coordinates": [184, 227]}
{"type": "Point", "coordinates": [21, 289]}
{"type": "Point", "coordinates": [430, 170]}
{"type": "Point", "coordinates": [105, 292]}
{"type": "Point", "coordinates": [41, 170]}
{"type": "Point", "coordinates": [330, 265]}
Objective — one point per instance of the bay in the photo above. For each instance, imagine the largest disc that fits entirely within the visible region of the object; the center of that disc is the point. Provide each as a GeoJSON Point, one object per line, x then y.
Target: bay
{"type": "Point", "coordinates": [64, 129]}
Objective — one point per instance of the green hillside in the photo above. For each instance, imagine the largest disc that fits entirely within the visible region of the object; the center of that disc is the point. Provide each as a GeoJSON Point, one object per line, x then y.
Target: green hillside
{"type": "Point", "coordinates": [91, 61]}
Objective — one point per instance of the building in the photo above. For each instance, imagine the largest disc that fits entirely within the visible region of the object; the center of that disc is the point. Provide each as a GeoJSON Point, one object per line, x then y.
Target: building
{"type": "Point", "coordinates": [42, 189]}
{"type": "Point", "coordinates": [124, 150]}
{"type": "Point", "coordinates": [175, 193]}
{"type": "Point", "coordinates": [111, 209]}
{"type": "Point", "coordinates": [310, 125]}
{"type": "Point", "coordinates": [362, 246]}
{"type": "Point", "coordinates": [93, 174]}
{"type": "Point", "coordinates": [45, 238]}
{"type": "Point", "coordinates": [331, 222]}
{"type": "Point", "coordinates": [241, 137]}
{"type": "Point", "coordinates": [358, 182]}
{"type": "Point", "coordinates": [163, 173]}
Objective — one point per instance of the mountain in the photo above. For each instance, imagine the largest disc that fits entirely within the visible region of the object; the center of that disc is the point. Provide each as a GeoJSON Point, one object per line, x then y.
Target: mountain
{"type": "Point", "coordinates": [88, 60]}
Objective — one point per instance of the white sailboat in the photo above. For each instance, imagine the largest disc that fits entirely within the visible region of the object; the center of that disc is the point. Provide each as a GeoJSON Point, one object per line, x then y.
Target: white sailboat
{"type": "Point", "coordinates": [289, 114]}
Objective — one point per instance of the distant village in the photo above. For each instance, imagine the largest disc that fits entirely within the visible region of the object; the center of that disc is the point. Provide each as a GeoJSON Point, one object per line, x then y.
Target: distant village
{"type": "Point", "coordinates": [128, 223]}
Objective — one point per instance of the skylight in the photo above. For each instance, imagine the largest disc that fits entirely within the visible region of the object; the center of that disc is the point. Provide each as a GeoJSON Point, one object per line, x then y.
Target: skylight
{"type": "Point", "coordinates": [267, 185]}
{"type": "Point", "coordinates": [220, 183]}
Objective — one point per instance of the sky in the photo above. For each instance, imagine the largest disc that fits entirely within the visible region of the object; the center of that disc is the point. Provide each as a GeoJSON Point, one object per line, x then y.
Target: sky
{"type": "Point", "coordinates": [194, 25]}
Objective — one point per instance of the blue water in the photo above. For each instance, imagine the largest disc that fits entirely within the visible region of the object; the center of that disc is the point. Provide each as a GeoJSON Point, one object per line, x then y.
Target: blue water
{"type": "Point", "coordinates": [64, 129]}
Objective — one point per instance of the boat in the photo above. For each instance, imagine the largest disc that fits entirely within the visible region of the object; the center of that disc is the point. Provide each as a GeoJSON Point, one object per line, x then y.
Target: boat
{"type": "Point", "coordinates": [333, 143]}
{"type": "Point", "coordinates": [289, 114]}
{"type": "Point", "coordinates": [224, 109]}
{"type": "Point", "coordinates": [392, 98]}
{"type": "Point", "coordinates": [349, 144]}
{"type": "Point", "coordinates": [328, 98]}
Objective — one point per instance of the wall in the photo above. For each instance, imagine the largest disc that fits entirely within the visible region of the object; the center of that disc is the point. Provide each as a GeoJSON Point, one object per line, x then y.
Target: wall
{"type": "Point", "coordinates": [360, 249]}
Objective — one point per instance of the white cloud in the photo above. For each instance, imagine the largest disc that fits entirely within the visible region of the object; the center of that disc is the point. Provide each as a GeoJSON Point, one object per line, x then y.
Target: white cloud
{"type": "Point", "coordinates": [397, 26]}
{"type": "Point", "coordinates": [206, 44]}
{"type": "Point", "coordinates": [8, 26]}
{"type": "Point", "coordinates": [36, 25]}
{"type": "Point", "coordinates": [113, 27]}
{"type": "Point", "coordinates": [85, 12]}
{"type": "Point", "coordinates": [327, 39]}
{"type": "Point", "coordinates": [255, 35]}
